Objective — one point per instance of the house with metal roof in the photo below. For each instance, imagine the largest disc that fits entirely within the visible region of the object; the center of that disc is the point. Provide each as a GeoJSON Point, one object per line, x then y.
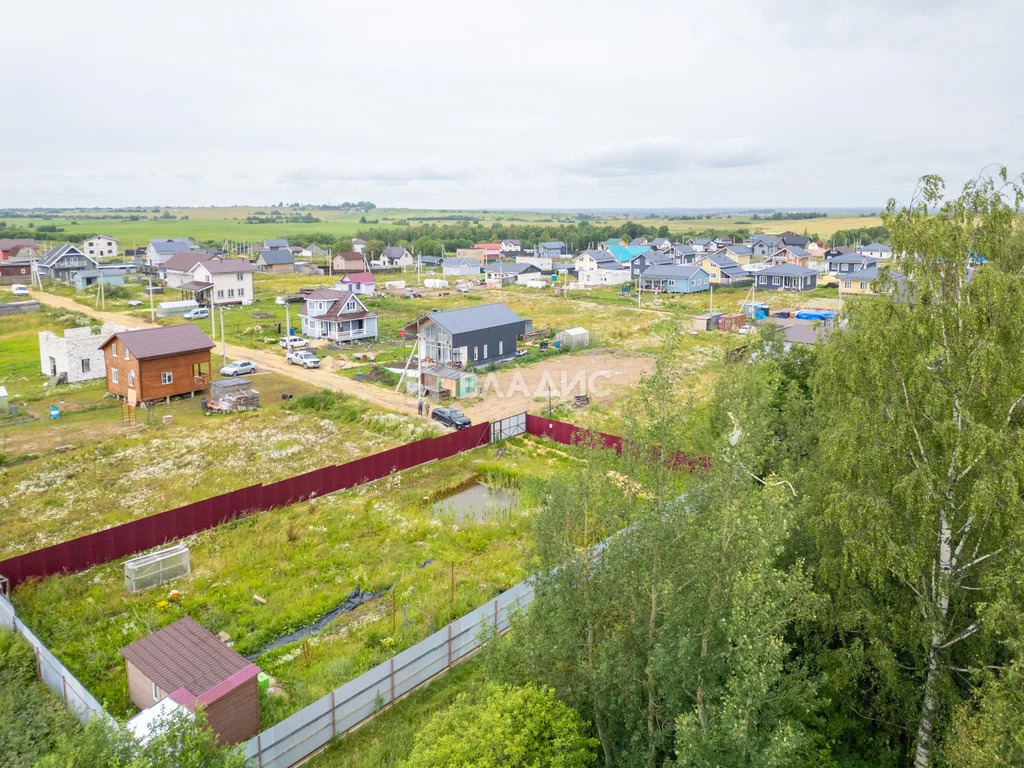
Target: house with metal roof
{"type": "Point", "coordinates": [590, 259]}
{"type": "Point", "coordinates": [674, 278]}
{"type": "Point", "coordinates": [661, 244]}
{"type": "Point", "coordinates": [722, 270]}
{"type": "Point", "coordinates": [275, 260]}
{"type": "Point", "coordinates": [396, 256]}
{"type": "Point", "coordinates": [465, 267]}
{"type": "Point", "coordinates": [615, 242]}
{"type": "Point", "coordinates": [275, 243]}
{"type": "Point", "coordinates": [788, 238]}
{"type": "Point", "coordinates": [518, 272]}
{"type": "Point", "coordinates": [841, 263]}
{"type": "Point", "coordinates": [741, 254]}
{"type": "Point", "coordinates": [151, 364]}
{"type": "Point", "coordinates": [339, 315]}
{"type": "Point", "coordinates": [63, 261]}
{"type": "Point", "coordinates": [787, 277]}
{"type": "Point", "coordinates": [876, 250]}
{"type": "Point", "coordinates": [9, 246]}
{"type": "Point", "coordinates": [469, 336]}
{"type": "Point", "coordinates": [552, 249]}
{"type": "Point", "coordinates": [511, 246]}
{"type": "Point", "coordinates": [647, 259]}
{"type": "Point", "coordinates": [361, 283]}
{"type": "Point", "coordinates": [763, 246]}
{"type": "Point", "coordinates": [159, 251]}
{"type": "Point", "coordinates": [702, 244]}
{"type": "Point", "coordinates": [190, 666]}
{"type": "Point", "coordinates": [682, 253]}
{"type": "Point", "coordinates": [639, 241]}
{"type": "Point", "coordinates": [791, 254]}
{"type": "Point", "coordinates": [626, 253]}
{"type": "Point", "coordinates": [860, 282]}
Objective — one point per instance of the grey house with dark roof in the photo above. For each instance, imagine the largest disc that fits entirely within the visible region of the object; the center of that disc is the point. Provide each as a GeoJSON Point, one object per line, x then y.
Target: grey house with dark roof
{"type": "Point", "coordinates": [160, 251]}
{"type": "Point", "coordinates": [787, 277]}
{"type": "Point", "coordinates": [468, 336]}
{"type": "Point", "coordinates": [276, 260]}
{"type": "Point", "coordinates": [848, 262]}
{"type": "Point", "coordinates": [647, 259]}
{"type": "Point", "coordinates": [552, 249]}
{"type": "Point", "coordinates": [63, 262]}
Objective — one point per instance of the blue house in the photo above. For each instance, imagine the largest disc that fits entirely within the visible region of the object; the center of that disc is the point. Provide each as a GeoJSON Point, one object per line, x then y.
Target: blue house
{"type": "Point", "coordinates": [651, 258]}
{"type": "Point", "coordinates": [674, 279]}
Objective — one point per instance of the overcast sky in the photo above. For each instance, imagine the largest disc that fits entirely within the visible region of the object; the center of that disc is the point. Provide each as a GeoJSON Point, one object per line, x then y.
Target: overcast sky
{"type": "Point", "coordinates": [536, 103]}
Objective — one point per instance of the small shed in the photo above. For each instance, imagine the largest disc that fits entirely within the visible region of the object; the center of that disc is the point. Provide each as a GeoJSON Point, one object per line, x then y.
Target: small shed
{"type": "Point", "coordinates": [443, 381]}
{"type": "Point", "coordinates": [176, 308]}
{"type": "Point", "coordinates": [573, 338]}
{"type": "Point", "coordinates": [5, 404]}
{"type": "Point", "coordinates": [234, 394]}
{"type": "Point", "coordinates": [193, 667]}
{"type": "Point", "coordinates": [706, 322]}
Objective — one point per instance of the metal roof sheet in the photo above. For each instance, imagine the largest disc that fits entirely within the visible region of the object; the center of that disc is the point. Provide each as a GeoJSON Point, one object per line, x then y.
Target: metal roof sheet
{"type": "Point", "coordinates": [468, 319]}
{"type": "Point", "coordinates": [146, 343]}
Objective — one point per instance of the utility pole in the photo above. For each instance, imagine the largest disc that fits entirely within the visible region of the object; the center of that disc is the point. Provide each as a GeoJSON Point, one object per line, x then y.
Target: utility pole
{"type": "Point", "coordinates": [223, 344]}
{"type": "Point", "coordinates": [287, 320]}
{"type": "Point", "coordinates": [152, 310]}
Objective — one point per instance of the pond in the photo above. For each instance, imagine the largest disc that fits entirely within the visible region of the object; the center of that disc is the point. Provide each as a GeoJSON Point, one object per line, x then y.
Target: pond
{"type": "Point", "coordinates": [477, 502]}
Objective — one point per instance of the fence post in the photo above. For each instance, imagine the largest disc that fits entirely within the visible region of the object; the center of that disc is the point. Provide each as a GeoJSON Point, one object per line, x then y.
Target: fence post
{"type": "Point", "coordinates": [392, 681]}
{"type": "Point", "coordinates": [495, 616]}
{"type": "Point", "coordinates": [449, 644]}
{"type": "Point", "coordinates": [334, 726]}
{"type": "Point", "coordinates": [259, 750]}
{"type": "Point", "coordinates": [39, 669]}
{"type": "Point", "coordinates": [64, 687]}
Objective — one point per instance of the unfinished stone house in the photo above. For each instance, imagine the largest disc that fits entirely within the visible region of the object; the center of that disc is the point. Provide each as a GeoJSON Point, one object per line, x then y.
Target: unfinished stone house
{"type": "Point", "coordinates": [76, 354]}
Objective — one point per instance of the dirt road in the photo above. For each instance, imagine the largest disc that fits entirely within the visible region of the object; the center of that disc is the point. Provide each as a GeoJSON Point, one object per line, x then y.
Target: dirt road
{"type": "Point", "coordinates": [266, 361]}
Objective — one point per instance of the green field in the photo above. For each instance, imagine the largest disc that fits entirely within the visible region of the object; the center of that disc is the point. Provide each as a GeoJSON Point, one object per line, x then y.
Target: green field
{"type": "Point", "coordinates": [219, 224]}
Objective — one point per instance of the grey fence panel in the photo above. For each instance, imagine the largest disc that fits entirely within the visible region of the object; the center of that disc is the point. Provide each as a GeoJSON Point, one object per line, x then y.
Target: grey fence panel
{"type": "Point", "coordinates": [54, 674]}
{"type": "Point", "coordinates": [510, 426]}
{"type": "Point", "coordinates": [302, 734]}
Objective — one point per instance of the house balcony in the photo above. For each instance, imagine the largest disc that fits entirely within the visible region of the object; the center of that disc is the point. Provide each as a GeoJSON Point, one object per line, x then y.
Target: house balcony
{"type": "Point", "coordinates": [202, 381]}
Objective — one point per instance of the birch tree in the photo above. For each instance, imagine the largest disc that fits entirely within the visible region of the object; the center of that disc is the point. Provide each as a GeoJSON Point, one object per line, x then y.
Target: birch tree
{"type": "Point", "coordinates": [921, 398]}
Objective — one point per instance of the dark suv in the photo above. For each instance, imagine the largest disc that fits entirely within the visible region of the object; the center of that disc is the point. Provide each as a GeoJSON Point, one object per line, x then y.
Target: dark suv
{"type": "Point", "coordinates": [451, 417]}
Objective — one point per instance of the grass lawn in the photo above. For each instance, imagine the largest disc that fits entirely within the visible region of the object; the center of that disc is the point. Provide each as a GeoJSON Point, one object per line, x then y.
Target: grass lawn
{"type": "Point", "coordinates": [305, 560]}
{"type": "Point", "coordinates": [112, 474]}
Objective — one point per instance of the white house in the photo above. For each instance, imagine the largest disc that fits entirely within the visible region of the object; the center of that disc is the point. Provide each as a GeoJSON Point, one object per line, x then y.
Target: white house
{"type": "Point", "coordinates": [177, 270]}
{"type": "Point", "coordinates": [358, 245]}
{"type": "Point", "coordinates": [511, 246]}
{"type": "Point", "coordinates": [606, 273]}
{"type": "Point", "coordinates": [543, 263]}
{"type": "Point", "coordinates": [360, 283]}
{"type": "Point", "coordinates": [395, 256]}
{"type": "Point", "coordinates": [101, 246]}
{"type": "Point", "coordinates": [159, 251]}
{"type": "Point", "coordinates": [590, 259]}
{"type": "Point", "coordinates": [461, 267]}
{"type": "Point", "coordinates": [875, 251]}
{"type": "Point", "coordinates": [337, 315]}
{"type": "Point", "coordinates": [511, 273]}
{"type": "Point", "coordinates": [76, 354]}
{"type": "Point", "coordinates": [226, 281]}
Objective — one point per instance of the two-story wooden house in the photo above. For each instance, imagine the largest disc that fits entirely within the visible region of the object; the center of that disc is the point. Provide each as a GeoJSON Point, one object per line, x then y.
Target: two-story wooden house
{"type": "Point", "coordinates": [157, 363]}
{"type": "Point", "coordinates": [63, 262]}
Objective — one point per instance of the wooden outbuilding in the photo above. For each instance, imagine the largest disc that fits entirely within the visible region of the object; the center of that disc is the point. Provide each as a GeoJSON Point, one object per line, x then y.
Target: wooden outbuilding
{"type": "Point", "coordinates": [191, 666]}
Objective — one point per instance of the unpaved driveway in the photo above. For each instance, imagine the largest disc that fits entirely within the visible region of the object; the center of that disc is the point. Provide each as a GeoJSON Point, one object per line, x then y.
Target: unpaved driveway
{"type": "Point", "coordinates": [604, 375]}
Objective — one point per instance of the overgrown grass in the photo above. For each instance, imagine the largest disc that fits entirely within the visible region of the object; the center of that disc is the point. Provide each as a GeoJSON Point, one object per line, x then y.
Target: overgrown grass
{"type": "Point", "coordinates": [304, 561]}
{"type": "Point", "coordinates": [345, 409]}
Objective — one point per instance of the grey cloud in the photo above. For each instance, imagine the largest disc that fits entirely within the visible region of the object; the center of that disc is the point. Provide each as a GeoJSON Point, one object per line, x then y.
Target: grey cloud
{"type": "Point", "coordinates": [429, 170]}
{"type": "Point", "coordinates": [663, 155]}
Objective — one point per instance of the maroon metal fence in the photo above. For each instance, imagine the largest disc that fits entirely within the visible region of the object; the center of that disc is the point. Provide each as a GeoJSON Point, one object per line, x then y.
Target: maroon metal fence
{"type": "Point", "coordinates": [155, 530]}
{"type": "Point", "coordinates": [570, 434]}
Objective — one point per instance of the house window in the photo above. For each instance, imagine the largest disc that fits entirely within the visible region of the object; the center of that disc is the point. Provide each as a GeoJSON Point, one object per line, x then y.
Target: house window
{"type": "Point", "coordinates": [85, 365]}
{"type": "Point", "coordinates": [231, 293]}
{"type": "Point", "coordinates": [501, 347]}
{"type": "Point", "coordinates": [775, 281]}
{"type": "Point", "coordinates": [113, 375]}
{"type": "Point", "coordinates": [847, 284]}
{"type": "Point", "coordinates": [476, 356]}
{"type": "Point", "coordinates": [127, 356]}
{"type": "Point", "coordinates": [157, 693]}
{"type": "Point", "coordinates": [131, 378]}
{"type": "Point", "coordinates": [239, 277]}
{"type": "Point", "coordinates": [166, 377]}
{"type": "Point", "coordinates": [485, 351]}
{"type": "Point", "coordinates": [220, 294]}
{"type": "Point", "coordinates": [113, 351]}
{"type": "Point", "coordinates": [241, 291]}
{"type": "Point", "coordinates": [863, 286]}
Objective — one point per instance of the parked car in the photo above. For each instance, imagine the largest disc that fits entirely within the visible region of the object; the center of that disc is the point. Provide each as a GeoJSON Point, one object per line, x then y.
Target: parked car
{"type": "Point", "coordinates": [19, 290]}
{"type": "Point", "coordinates": [451, 417]}
{"type": "Point", "coordinates": [134, 303]}
{"type": "Point", "coordinates": [238, 368]}
{"type": "Point", "coordinates": [462, 288]}
{"type": "Point", "coordinates": [303, 357]}
{"type": "Point", "coordinates": [291, 342]}
{"type": "Point", "coordinates": [197, 314]}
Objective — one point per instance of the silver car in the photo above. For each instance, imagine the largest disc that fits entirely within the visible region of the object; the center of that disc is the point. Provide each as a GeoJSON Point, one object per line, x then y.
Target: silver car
{"type": "Point", "coordinates": [238, 368]}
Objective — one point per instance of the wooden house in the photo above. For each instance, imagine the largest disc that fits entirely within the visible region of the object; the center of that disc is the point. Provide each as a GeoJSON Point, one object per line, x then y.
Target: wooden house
{"type": "Point", "coordinates": [157, 363]}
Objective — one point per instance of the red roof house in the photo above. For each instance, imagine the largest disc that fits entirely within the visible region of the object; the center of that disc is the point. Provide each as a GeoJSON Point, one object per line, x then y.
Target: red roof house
{"type": "Point", "coordinates": [191, 666]}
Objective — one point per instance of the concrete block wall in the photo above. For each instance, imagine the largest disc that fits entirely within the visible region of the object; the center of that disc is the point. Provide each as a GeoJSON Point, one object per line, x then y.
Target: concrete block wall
{"type": "Point", "coordinates": [69, 350]}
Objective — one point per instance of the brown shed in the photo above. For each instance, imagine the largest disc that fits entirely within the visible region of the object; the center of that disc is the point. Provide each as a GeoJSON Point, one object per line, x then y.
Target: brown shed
{"type": "Point", "coordinates": [153, 363]}
{"type": "Point", "coordinates": [195, 668]}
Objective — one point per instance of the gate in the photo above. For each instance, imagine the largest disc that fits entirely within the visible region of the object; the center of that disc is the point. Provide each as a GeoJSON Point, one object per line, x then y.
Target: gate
{"type": "Point", "coordinates": [510, 426]}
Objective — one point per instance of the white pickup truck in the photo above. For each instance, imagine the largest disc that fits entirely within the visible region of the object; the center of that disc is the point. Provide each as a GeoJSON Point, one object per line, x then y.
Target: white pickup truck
{"type": "Point", "coordinates": [303, 357]}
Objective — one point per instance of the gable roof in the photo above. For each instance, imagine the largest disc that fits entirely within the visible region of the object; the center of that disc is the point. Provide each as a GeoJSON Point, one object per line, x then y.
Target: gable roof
{"type": "Point", "coordinates": [698, 241]}
{"type": "Point", "coordinates": [684, 250]}
{"type": "Point", "coordinates": [357, 241]}
{"type": "Point", "coordinates": [655, 257]}
{"type": "Point", "coordinates": [552, 244]}
{"type": "Point", "coordinates": [738, 250]}
{"type": "Point", "coordinates": [463, 262]}
{"type": "Point", "coordinates": [720, 259]}
{"type": "Point", "coordinates": [513, 242]}
{"type": "Point", "coordinates": [359, 277]}
{"type": "Point", "coordinates": [349, 256]}
{"type": "Point", "coordinates": [338, 299]}
{"type": "Point", "coordinates": [796, 250]}
{"type": "Point", "coordinates": [183, 655]}
{"type": "Point", "coordinates": [146, 343]}
{"type": "Point", "coordinates": [171, 245]}
{"type": "Point", "coordinates": [869, 274]}
{"type": "Point", "coordinates": [394, 252]}
{"type": "Point", "coordinates": [628, 252]}
{"type": "Point", "coordinates": [882, 247]}
{"type": "Point", "coordinates": [67, 249]}
{"type": "Point", "coordinates": [671, 272]}
{"type": "Point", "coordinates": [517, 268]}
{"type": "Point", "coordinates": [276, 256]}
{"type": "Point", "coordinates": [660, 241]}
{"type": "Point", "coordinates": [469, 319]}
{"type": "Point", "coordinates": [800, 240]}
{"type": "Point", "coordinates": [275, 243]}
{"type": "Point", "coordinates": [850, 258]}
{"type": "Point", "coordinates": [787, 270]}
{"type": "Point", "coordinates": [7, 243]}
{"type": "Point", "coordinates": [100, 237]}
{"type": "Point", "coordinates": [219, 266]}
{"type": "Point", "coordinates": [183, 261]}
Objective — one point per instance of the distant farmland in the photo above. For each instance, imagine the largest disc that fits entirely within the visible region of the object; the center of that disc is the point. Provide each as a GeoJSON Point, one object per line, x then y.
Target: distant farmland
{"type": "Point", "coordinates": [217, 224]}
